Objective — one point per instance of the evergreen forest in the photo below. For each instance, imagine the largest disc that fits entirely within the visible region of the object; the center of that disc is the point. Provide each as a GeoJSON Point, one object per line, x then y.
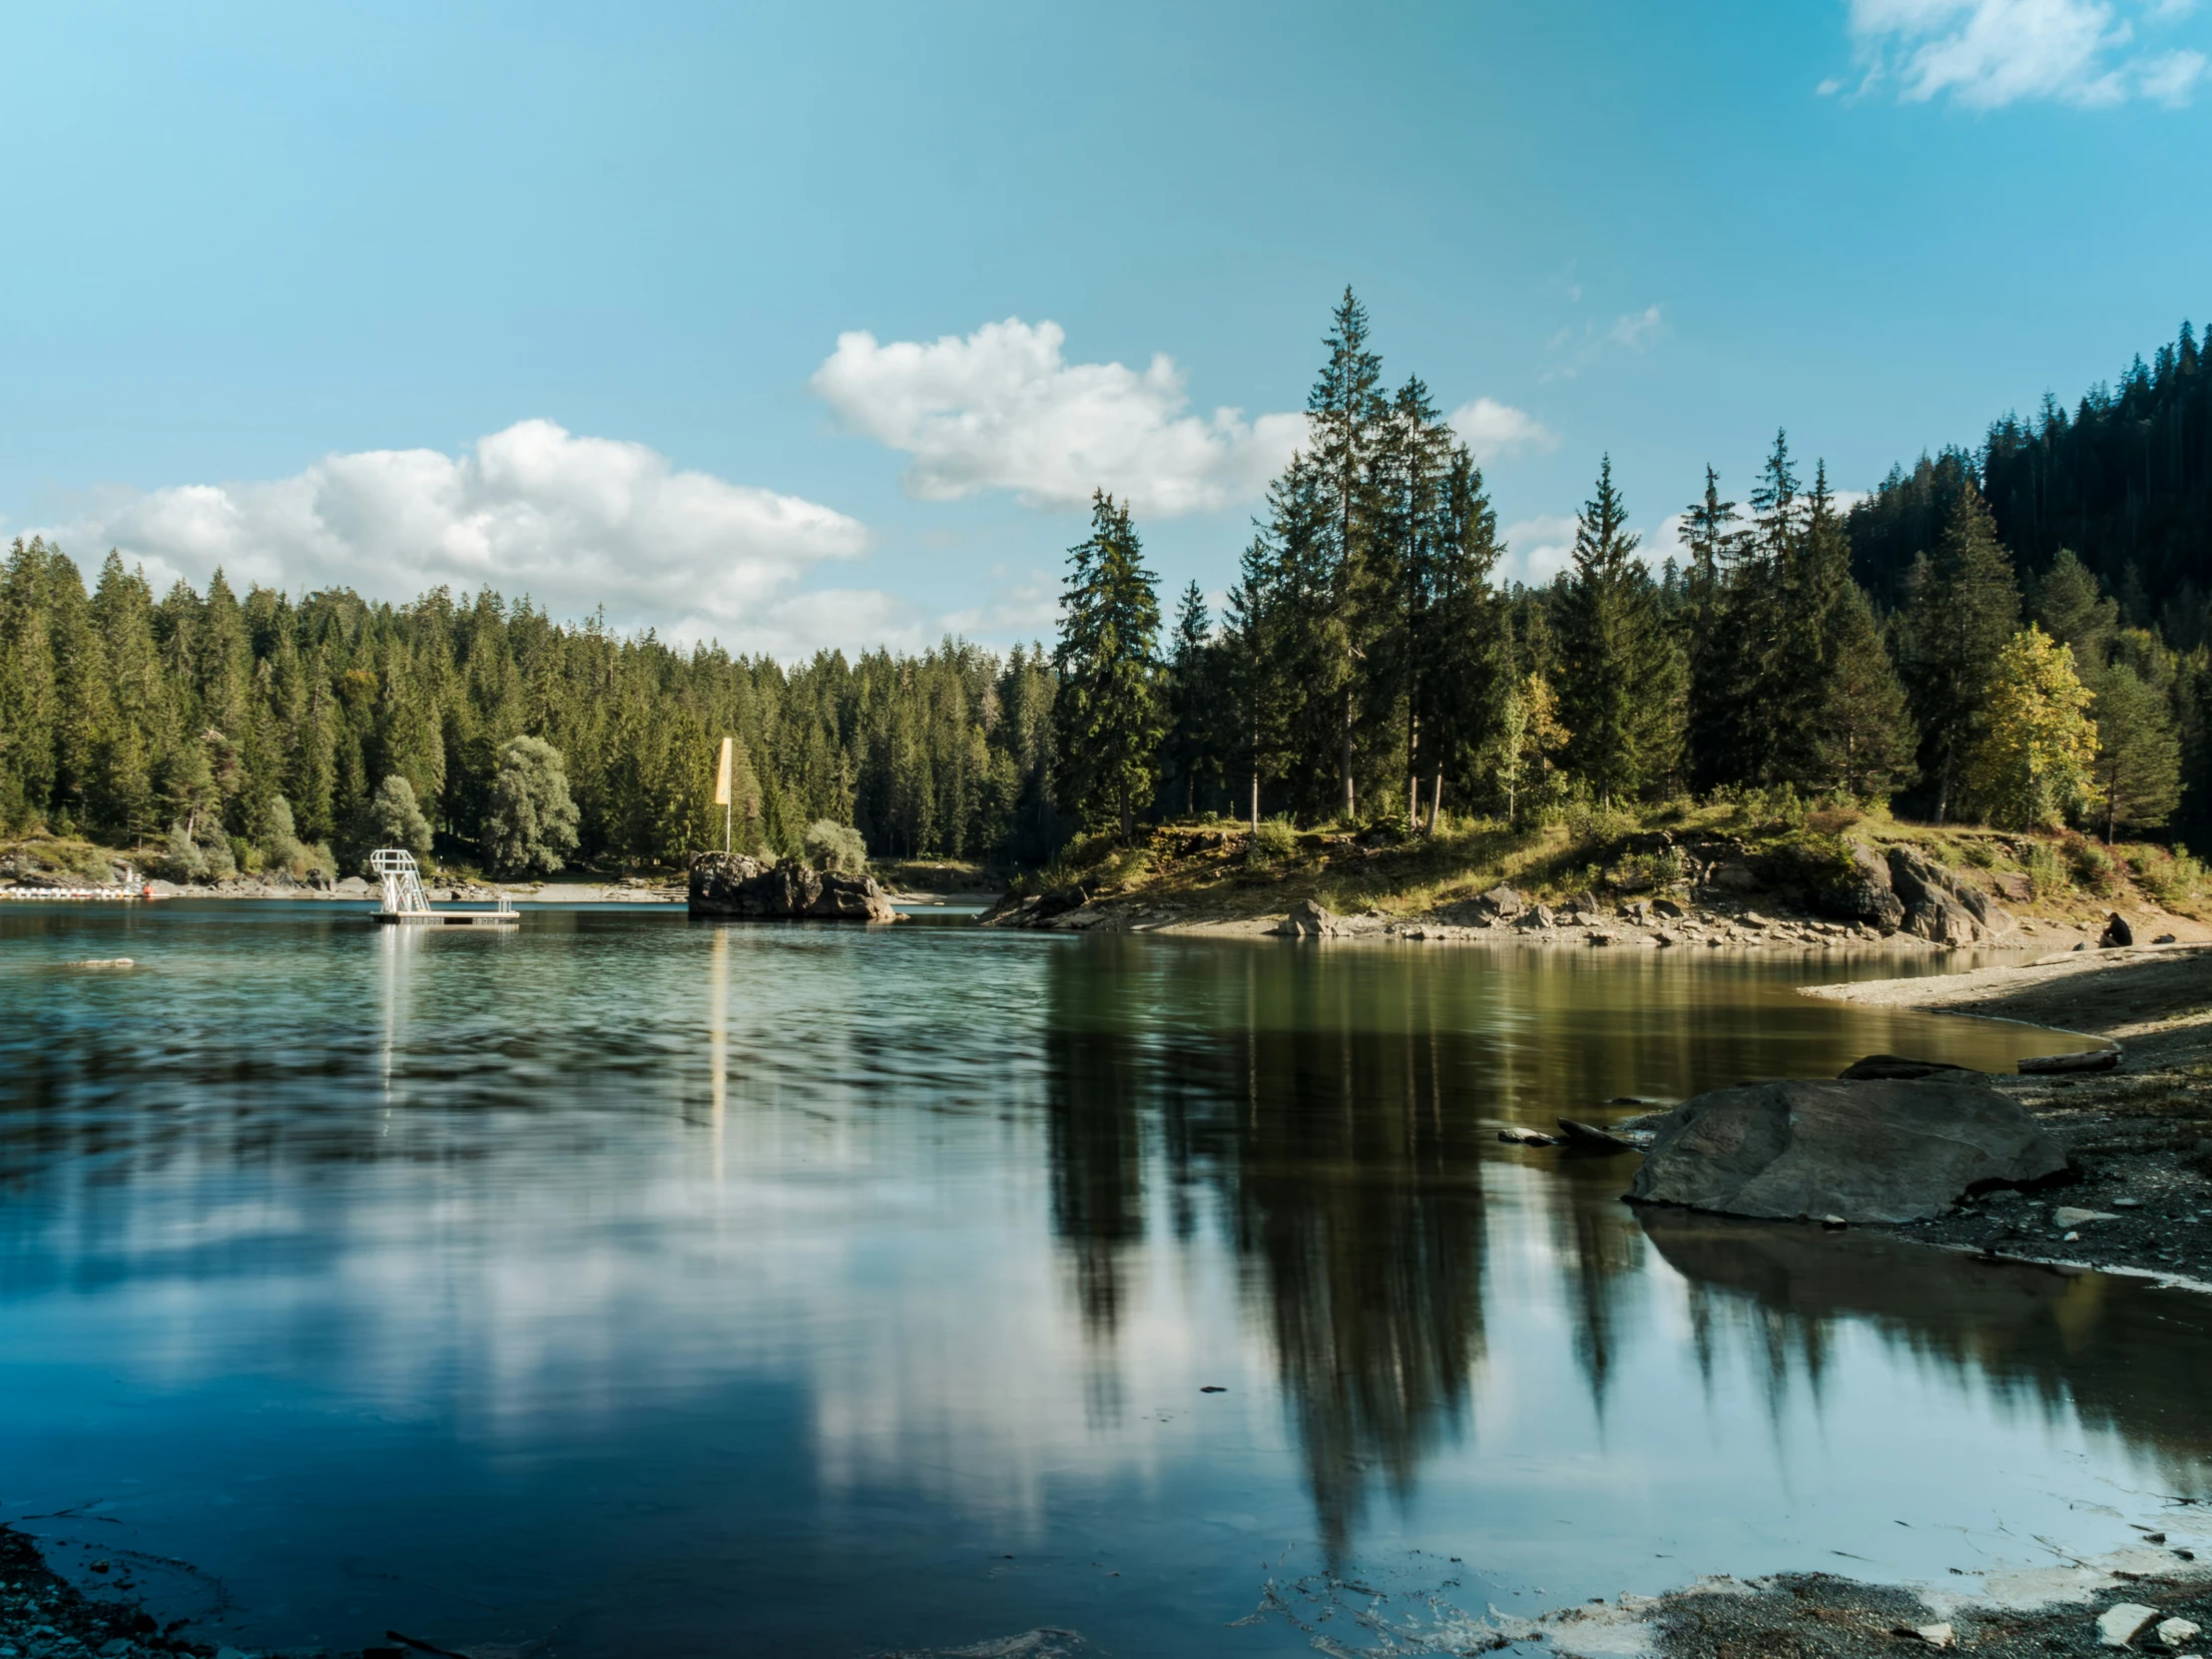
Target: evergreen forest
{"type": "Point", "coordinates": [2018, 634]}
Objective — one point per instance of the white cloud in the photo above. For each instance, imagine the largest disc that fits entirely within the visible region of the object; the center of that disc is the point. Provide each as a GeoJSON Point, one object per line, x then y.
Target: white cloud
{"type": "Point", "coordinates": [1003, 409]}
{"type": "Point", "coordinates": [1578, 349]}
{"type": "Point", "coordinates": [1989, 53]}
{"type": "Point", "coordinates": [573, 522]}
{"type": "Point", "coordinates": [1493, 429]}
{"type": "Point", "coordinates": [1638, 330]}
{"type": "Point", "coordinates": [1537, 549]}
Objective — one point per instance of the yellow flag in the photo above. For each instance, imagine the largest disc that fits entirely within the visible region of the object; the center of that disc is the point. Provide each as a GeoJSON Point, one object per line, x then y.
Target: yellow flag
{"type": "Point", "coordinates": [722, 777]}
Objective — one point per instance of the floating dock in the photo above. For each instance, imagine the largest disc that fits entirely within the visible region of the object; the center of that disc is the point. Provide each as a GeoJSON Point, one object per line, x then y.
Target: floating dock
{"type": "Point", "coordinates": [405, 903]}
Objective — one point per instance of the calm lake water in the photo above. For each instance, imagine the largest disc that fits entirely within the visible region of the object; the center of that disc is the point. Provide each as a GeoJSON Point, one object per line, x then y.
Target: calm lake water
{"type": "Point", "coordinates": [666, 1287]}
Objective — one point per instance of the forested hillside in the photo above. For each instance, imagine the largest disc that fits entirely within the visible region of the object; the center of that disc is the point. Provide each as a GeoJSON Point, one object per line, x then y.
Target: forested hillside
{"type": "Point", "coordinates": [2017, 635]}
{"type": "Point", "coordinates": [124, 716]}
{"type": "Point", "coordinates": [2124, 482]}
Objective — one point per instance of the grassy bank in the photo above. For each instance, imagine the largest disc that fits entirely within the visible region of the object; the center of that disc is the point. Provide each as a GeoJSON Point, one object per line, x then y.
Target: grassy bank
{"type": "Point", "coordinates": [1220, 872]}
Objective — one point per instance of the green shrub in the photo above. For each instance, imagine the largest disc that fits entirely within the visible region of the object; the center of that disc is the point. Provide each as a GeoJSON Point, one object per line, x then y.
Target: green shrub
{"type": "Point", "coordinates": [2092, 867]}
{"type": "Point", "coordinates": [2174, 879]}
{"type": "Point", "coordinates": [1980, 853]}
{"type": "Point", "coordinates": [1273, 842]}
{"type": "Point", "coordinates": [835, 846]}
{"type": "Point", "coordinates": [2047, 871]}
{"type": "Point", "coordinates": [1588, 823]}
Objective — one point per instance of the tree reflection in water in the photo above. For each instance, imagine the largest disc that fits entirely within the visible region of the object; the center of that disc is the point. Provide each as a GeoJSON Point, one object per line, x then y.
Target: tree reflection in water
{"type": "Point", "coordinates": [1348, 1171]}
{"type": "Point", "coordinates": [1335, 1117]}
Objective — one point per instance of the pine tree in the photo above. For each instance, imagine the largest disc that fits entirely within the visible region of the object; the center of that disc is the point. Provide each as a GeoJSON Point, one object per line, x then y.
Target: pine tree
{"type": "Point", "coordinates": [1346, 412]}
{"type": "Point", "coordinates": [1409, 533]}
{"type": "Point", "coordinates": [1193, 759]}
{"type": "Point", "coordinates": [28, 701]}
{"type": "Point", "coordinates": [1106, 716]}
{"type": "Point", "coordinates": [1710, 628]}
{"type": "Point", "coordinates": [2137, 775]}
{"type": "Point", "coordinates": [1467, 672]}
{"type": "Point", "coordinates": [2072, 606]}
{"type": "Point", "coordinates": [1618, 691]}
{"type": "Point", "coordinates": [1961, 609]}
{"type": "Point", "coordinates": [1864, 741]}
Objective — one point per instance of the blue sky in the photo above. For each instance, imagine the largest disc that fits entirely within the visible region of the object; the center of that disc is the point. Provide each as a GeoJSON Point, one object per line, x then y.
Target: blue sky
{"type": "Point", "coordinates": [813, 325]}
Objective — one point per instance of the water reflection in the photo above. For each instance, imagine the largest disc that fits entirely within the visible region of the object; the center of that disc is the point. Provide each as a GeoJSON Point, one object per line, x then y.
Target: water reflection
{"type": "Point", "coordinates": [719, 1257]}
{"type": "Point", "coordinates": [2127, 1358]}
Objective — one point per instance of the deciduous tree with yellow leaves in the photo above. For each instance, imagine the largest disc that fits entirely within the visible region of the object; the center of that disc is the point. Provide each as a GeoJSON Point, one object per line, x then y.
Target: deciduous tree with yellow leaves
{"type": "Point", "coordinates": [2031, 765]}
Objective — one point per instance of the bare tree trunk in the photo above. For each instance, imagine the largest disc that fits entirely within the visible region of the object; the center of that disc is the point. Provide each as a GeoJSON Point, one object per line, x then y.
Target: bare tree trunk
{"type": "Point", "coordinates": [1436, 801]}
{"type": "Point", "coordinates": [1345, 761]}
{"type": "Point", "coordinates": [1254, 801]}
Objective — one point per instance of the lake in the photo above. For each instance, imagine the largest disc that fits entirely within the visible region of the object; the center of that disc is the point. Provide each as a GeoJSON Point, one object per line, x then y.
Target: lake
{"type": "Point", "coordinates": [635, 1283]}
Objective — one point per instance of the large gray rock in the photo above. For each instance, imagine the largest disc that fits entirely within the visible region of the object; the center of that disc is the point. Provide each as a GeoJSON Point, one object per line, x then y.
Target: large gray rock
{"type": "Point", "coordinates": [732, 885]}
{"type": "Point", "coordinates": [1939, 906]}
{"type": "Point", "coordinates": [1863, 894]}
{"type": "Point", "coordinates": [1865, 1151]}
{"type": "Point", "coordinates": [1309, 920]}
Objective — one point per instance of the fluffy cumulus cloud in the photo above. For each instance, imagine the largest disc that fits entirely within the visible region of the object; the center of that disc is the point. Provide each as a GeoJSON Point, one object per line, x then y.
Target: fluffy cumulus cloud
{"type": "Point", "coordinates": [1495, 431]}
{"type": "Point", "coordinates": [1989, 53]}
{"type": "Point", "coordinates": [575, 523]}
{"type": "Point", "coordinates": [1003, 409]}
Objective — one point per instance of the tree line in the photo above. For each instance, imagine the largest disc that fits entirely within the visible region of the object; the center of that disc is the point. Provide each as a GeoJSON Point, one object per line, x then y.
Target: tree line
{"type": "Point", "coordinates": [265, 731]}
{"type": "Point", "coordinates": [1943, 644]}
{"type": "Point", "coordinates": [1372, 668]}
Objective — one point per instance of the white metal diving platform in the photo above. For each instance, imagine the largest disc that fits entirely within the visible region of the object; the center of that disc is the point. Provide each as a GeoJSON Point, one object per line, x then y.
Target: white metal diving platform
{"type": "Point", "coordinates": [406, 901]}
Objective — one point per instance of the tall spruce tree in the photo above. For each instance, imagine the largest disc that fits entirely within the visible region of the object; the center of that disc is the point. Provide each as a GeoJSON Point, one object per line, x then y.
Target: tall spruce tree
{"type": "Point", "coordinates": [1465, 657]}
{"type": "Point", "coordinates": [1193, 755]}
{"type": "Point", "coordinates": [1619, 686]}
{"type": "Point", "coordinates": [1708, 624]}
{"type": "Point", "coordinates": [1346, 413]}
{"type": "Point", "coordinates": [1106, 716]}
{"type": "Point", "coordinates": [1961, 609]}
{"type": "Point", "coordinates": [2136, 777]}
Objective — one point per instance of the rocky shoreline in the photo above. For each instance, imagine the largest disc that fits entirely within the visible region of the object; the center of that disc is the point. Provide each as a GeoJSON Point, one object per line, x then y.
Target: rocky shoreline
{"type": "Point", "coordinates": [2138, 1137]}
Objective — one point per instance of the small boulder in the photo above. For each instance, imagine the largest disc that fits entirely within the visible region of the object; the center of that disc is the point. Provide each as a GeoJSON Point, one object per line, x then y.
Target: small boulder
{"type": "Point", "coordinates": [2015, 888]}
{"type": "Point", "coordinates": [1865, 1151]}
{"type": "Point", "coordinates": [1734, 877]}
{"type": "Point", "coordinates": [1503, 902]}
{"type": "Point", "coordinates": [2164, 938]}
{"type": "Point", "coordinates": [2069, 1215]}
{"type": "Point", "coordinates": [1668, 909]}
{"type": "Point", "coordinates": [1583, 903]}
{"type": "Point", "coordinates": [2119, 1625]}
{"type": "Point", "coordinates": [2117, 934]}
{"type": "Point", "coordinates": [1516, 1135]}
{"type": "Point", "coordinates": [2178, 1633]}
{"type": "Point", "coordinates": [1538, 915]}
{"type": "Point", "coordinates": [1309, 920]}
